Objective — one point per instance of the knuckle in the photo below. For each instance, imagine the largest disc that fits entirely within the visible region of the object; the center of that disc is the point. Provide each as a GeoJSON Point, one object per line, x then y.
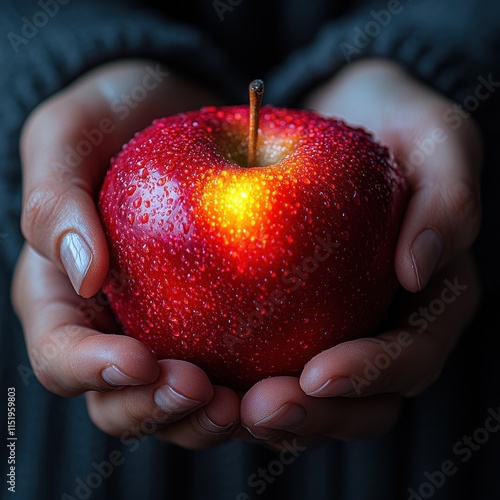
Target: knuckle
{"type": "Point", "coordinates": [51, 357]}
{"type": "Point", "coordinates": [43, 370]}
{"type": "Point", "coordinates": [461, 202]}
{"type": "Point", "coordinates": [41, 206]}
{"type": "Point", "coordinates": [465, 202]}
{"type": "Point", "coordinates": [100, 420]}
{"type": "Point", "coordinates": [137, 414]}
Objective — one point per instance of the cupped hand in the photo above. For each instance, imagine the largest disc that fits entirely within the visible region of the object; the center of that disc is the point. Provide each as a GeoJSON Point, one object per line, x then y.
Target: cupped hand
{"type": "Point", "coordinates": [355, 389]}
{"type": "Point", "coordinates": [73, 342]}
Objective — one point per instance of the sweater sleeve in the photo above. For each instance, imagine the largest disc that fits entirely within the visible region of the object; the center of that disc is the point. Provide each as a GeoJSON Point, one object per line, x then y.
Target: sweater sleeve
{"type": "Point", "coordinates": [47, 44]}
{"type": "Point", "coordinates": [451, 45]}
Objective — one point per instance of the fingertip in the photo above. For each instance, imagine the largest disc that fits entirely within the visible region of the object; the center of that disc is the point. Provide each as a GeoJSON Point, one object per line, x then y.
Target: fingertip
{"type": "Point", "coordinates": [93, 279]}
{"type": "Point", "coordinates": [85, 257]}
{"type": "Point", "coordinates": [222, 413]}
{"type": "Point", "coordinates": [127, 362]}
{"type": "Point", "coordinates": [443, 218]}
{"type": "Point", "coordinates": [115, 377]}
{"type": "Point", "coordinates": [267, 394]}
{"type": "Point", "coordinates": [312, 379]}
{"type": "Point", "coordinates": [76, 257]}
{"type": "Point", "coordinates": [418, 255]}
{"type": "Point", "coordinates": [187, 379]}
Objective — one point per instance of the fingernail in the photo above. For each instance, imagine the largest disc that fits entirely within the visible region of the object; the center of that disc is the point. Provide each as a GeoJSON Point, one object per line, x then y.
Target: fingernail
{"type": "Point", "coordinates": [258, 433]}
{"type": "Point", "coordinates": [76, 258]}
{"type": "Point", "coordinates": [210, 426]}
{"type": "Point", "coordinates": [171, 401]}
{"type": "Point", "coordinates": [426, 251]}
{"type": "Point", "coordinates": [289, 416]}
{"type": "Point", "coordinates": [333, 388]}
{"type": "Point", "coordinates": [112, 375]}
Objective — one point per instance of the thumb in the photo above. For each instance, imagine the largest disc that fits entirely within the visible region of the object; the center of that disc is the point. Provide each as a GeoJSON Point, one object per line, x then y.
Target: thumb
{"type": "Point", "coordinates": [444, 211]}
{"type": "Point", "coordinates": [66, 145]}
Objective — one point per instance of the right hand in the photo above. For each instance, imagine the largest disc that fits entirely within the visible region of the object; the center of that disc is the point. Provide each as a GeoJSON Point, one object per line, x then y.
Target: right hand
{"type": "Point", "coordinates": [128, 390]}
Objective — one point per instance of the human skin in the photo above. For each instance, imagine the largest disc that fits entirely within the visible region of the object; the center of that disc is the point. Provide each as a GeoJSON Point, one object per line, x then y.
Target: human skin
{"type": "Point", "coordinates": [188, 410]}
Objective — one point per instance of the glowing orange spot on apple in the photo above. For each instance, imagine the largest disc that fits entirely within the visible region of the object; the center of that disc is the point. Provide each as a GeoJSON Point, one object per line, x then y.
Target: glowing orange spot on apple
{"type": "Point", "coordinates": [237, 205]}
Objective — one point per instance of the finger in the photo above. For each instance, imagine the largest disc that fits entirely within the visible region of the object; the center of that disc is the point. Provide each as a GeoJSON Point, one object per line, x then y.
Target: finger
{"type": "Point", "coordinates": [440, 151]}
{"type": "Point", "coordinates": [69, 357]}
{"type": "Point", "coordinates": [443, 216]}
{"type": "Point", "coordinates": [406, 360]}
{"type": "Point", "coordinates": [180, 389]}
{"type": "Point", "coordinates": [66, 146]}
{"type": "Point", "coordinates": [210, 425]}
{"type": "Point", "coordinates": [279, 404]}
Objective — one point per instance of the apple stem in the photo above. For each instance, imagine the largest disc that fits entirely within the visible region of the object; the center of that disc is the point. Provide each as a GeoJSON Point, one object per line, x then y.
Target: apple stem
{"type": "Point", "coordinates": [255, 90]}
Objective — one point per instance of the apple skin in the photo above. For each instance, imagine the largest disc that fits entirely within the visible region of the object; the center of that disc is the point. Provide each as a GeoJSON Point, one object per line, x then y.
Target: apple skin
{"type": "Point", "coordinates": [249, 272]}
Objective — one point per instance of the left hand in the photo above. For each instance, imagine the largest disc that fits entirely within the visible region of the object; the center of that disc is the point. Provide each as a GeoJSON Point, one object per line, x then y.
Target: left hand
{"type": "Point", "coordinates": [444, 203]}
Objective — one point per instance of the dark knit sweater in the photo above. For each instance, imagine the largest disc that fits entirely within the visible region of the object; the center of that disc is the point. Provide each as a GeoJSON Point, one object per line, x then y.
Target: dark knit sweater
{"type": "Point", "coordinates": [294, 45]}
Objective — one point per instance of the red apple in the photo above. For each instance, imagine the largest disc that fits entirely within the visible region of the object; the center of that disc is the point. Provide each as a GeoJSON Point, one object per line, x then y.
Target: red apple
{"type": "Point", "coordinates": [248, 271]}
